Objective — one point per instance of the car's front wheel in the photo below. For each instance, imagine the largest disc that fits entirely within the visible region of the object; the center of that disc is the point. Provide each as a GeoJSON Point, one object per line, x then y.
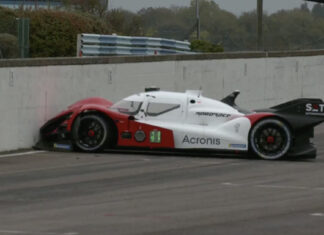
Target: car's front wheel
{"type": "Point", "coordinates": [91, 133]}
{"type": "Point", "coordinates": [270, 139]}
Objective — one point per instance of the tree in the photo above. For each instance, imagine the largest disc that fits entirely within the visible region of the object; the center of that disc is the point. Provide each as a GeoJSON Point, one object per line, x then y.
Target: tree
{"type": "Point", "coordinates": [304, 7]}
{"type": "Point", "coordinates": [95, 7]}
{"type": "Point", "coordinates": [166, 22]}
{"type": "Point", "coordinates": [8, 22]}
{"type": "Point", "coordinates": [247, 24]}
{"type": "Point", "coordinates": [318, 10]}
{"type": "Point", "coordinates": [204, 46]}
{"type": "Point", "coordinates": [222, 26]}
{"type": "Point", "coordinates": [298, 30]}
{"type": "Point", "coordinates": [8, 46]}
{"type": "Point", "coordinates": [54, 33]}
{"type": "Point", "coordinates": [125, 22]}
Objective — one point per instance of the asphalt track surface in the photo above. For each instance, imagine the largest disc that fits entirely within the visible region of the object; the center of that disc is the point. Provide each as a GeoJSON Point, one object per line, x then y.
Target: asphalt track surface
{"type": "Point", "coordinates": [48, 193]}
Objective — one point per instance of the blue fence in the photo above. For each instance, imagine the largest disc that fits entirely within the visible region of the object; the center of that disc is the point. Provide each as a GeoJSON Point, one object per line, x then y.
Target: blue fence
{"type": "Point", "coordinates": [102, 45]}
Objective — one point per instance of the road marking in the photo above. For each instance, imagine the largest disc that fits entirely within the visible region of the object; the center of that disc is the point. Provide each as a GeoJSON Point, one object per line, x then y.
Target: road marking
{"type": "Point", "coordinates": [281, 186]}
{"type": "Point", "coordinates": [11, 232]}
{"type": "Point", "coordinates": [237, 164]}
{"type": "Point", "coordinates": [270, 186]}
{"type": "Point", "coordinates": [228, 163]}
{"type": "Point", "coordinates": [21, 154]}
{"type": "Point", "coordinates": [319, 188]}
{"type": "Point", "coordinates": [140, 217]}
{"type": "Point", "coordinates": [207, 163]}
{"type": "Point", "coordinates": [317, 214]}
{"type": "Point", "coordinates": [35, 233]}
{"type": "Point", "coordinates": [230, 184]}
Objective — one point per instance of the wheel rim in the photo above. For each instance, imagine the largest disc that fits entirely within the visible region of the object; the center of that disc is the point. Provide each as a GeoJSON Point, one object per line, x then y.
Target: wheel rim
{"type": "Point", "coordinates": [91, 134]}
{"type": "Point", "coordinates": [271, 139]}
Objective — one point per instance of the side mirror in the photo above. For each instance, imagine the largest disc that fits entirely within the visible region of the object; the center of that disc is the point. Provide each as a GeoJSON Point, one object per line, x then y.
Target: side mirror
{"type": "Point", "coordinates": [131, 118]}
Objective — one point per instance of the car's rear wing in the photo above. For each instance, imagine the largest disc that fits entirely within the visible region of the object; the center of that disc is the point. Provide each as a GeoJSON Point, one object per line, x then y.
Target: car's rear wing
{"type": "Point", "coordinates": [300, 113]}
{"type": "Point", "coordinates": [312, 107]}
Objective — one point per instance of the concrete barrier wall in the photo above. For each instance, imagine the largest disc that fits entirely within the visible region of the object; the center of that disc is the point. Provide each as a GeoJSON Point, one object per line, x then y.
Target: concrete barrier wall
{"type": "Point", "coordinates": [32, 91]}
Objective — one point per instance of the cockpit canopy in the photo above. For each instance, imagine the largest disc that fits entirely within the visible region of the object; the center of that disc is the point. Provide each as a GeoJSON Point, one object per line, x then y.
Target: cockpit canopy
{"type": "Point", "coordinates": [129, 107]}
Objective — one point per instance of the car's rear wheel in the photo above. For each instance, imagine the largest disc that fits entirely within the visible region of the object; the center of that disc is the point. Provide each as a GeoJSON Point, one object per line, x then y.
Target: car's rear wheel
{"type": "Point", "coordinates": [91, 133]}
{"type": "Point", "coordinates": [270, 139]}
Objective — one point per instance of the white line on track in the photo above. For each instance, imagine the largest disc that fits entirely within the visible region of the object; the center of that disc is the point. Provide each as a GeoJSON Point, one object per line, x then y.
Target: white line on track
{"type": "Point", "coordinates": [230, 184]}
{"type": "Point", "coordinates": [280, 186]}
{"type": "Point", "coordinates": [21, 154]}
{"type": "Point", "coordinates": [34, 233]}
{"type": "Point", "coordinates": [269, 186]}
{"type": "Point", "coordinates": [317, 214]}
{"type": "Point", "coordinates": [227, 163]}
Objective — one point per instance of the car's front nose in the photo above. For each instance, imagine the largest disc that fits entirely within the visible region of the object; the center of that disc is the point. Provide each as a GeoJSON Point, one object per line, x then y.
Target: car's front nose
{"type": "Point", "coordinates": [56, 128]}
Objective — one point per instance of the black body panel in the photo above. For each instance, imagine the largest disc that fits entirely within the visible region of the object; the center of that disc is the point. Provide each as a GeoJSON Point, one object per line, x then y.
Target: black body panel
{"type": "Point", "coordinates": [230, 100]}
{"type": "Point", "coordinates": [302, 115]}
{"type": "Point", "coordinates": [297, 114]}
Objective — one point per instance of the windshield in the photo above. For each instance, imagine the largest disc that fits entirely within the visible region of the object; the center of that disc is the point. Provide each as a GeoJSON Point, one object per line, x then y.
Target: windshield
{"type": "Point", "coordinates": [127, 107]}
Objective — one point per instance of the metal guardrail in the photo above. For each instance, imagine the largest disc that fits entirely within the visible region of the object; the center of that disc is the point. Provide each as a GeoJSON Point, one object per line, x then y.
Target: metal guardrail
{"type": "Point", "coordinates": [31, 3]}
{"type": "Point", "coordinates": [101, 45]}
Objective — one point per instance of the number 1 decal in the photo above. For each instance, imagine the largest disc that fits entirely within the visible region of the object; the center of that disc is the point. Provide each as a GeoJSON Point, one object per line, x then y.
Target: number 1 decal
{"type": "Point", "coordinates": [155, 137]}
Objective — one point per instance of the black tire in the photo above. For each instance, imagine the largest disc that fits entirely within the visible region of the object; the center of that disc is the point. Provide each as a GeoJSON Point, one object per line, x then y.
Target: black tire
{"type": "Point", "coordinates": [270, 139]}
{"type": "Point", "coordinates": [91, 133]}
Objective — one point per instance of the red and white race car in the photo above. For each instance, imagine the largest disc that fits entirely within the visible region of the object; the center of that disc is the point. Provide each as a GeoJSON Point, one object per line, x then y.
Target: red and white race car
{"type": "Point", "coordinates": [159, 120]}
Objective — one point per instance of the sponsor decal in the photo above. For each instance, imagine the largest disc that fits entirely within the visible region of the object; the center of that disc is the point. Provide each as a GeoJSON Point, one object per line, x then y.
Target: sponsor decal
{"type": "Point", "coordinates": [237, 127]}
{"type": "Point", "coordinates": [62, 146]}
{"type": "Point", "coordinates": [140, 136]}
{"type": "Point", "coordinates": [314, 109]}
{"type": "Point", "coordinates": [240, 146]}
{"type": "Point", "coordinates": [202, 141]}
{"type": "Point", "coordinates": [155, 137]}
{"type": "Point", "coordinates": [218, 115]}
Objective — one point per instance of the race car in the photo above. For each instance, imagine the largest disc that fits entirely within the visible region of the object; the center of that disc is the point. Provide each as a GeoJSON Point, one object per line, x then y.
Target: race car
{"type": "Point", "coordinates": [162, 120]}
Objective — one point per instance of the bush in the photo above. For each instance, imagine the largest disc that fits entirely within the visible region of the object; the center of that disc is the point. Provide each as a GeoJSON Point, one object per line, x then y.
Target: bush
{"type": "Point", "coordinates": [8, 22]}
{"type": "Point", "coordinates": [8, 46]}
{"type": "Point", "coordinates": [54, 33]}
{"type": "Point", "coordinates": [204, 46]}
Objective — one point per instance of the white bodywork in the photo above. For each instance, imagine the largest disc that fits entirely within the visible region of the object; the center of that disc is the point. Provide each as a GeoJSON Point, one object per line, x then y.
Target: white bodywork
{"type": "Point", "coordinates": [196, 121]}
